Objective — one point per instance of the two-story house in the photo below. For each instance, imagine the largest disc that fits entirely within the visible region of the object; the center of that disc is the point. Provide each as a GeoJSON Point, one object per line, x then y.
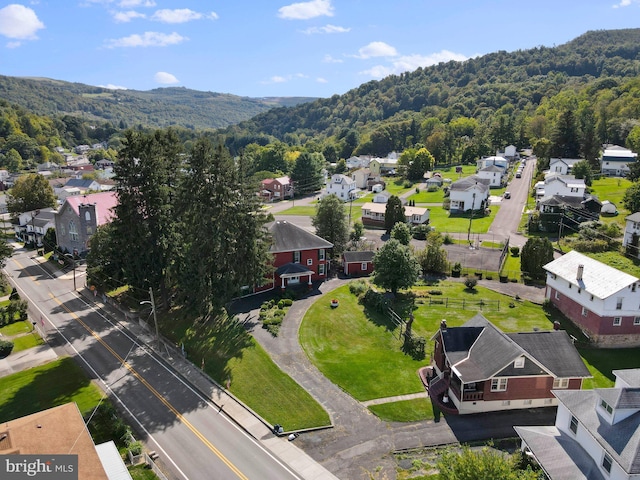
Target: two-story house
{"type": "Point", "coordinates": [564, 185]}
{"type": "Point", "coordinates": [602, 301]}
{"type": "Point", "coordinates": [343, 187]}
{"type": "Point", "coordinates": [31, 227]}
{"type": "Point", "coordinates": [562, 166]}
{"type": "Point", "coordinates": [498, 161]}
{"type": "Point", "coordinates": [478, 368]}
{"type": "Point", "coordinates": [366, 178]}
{"type": "Point", "coordinates": [279, 188]}
{"type": "Point", "coordinates": [631, 239]}
{"type": "Point", "coordinates": [79, 217]}
{"type": "Point", "coordinates": [493, 174]}
{"type": "Point", "coordinates": [596, 435]}
{"type": "Point", "coordinates": [469, 193]}
{"type": "Point", "coordinates": [615, 161]}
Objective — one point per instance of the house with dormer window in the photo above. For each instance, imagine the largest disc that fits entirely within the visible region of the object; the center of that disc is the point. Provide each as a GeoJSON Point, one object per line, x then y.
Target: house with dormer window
{"type": "Point", "coordinates": [596, 435]}
{"type": "Point", "coordinates": [478, 368]}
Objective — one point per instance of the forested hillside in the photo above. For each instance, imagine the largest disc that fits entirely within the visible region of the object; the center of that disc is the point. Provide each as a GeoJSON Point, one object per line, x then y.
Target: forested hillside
{"type": "Point", "coordinates": [161, 107]}
{"type": "Point", "coordinates": [460, 110]}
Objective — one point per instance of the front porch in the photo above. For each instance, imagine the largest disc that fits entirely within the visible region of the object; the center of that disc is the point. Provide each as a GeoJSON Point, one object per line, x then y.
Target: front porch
{"type": "Point", "coordinates": [447, 392]}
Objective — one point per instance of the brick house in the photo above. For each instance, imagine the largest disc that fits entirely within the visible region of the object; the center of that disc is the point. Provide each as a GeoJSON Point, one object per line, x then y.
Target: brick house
{"type": "Point", "coordinates": [601, 300]}
{"type": "Point", "coordinates": [596, 435]}
{"type": "Point", "coordinates": [299, 257]}
{"type": "Point", "coordinates": [79, 217]}
{"type": "Point", "coordinates": [478, 368]}
{"type": "Point", "coordinates": [357, 264]}
{"type": "Point", "coordinates": [279, 188]}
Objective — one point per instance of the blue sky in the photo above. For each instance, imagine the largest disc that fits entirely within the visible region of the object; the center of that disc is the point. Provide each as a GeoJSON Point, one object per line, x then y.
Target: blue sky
{"type": "Point", "coordinates": [266, 48]}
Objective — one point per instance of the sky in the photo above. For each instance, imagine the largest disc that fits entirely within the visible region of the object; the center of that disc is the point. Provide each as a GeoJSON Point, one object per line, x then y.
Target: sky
{"type": "Point", "coordinates": [276, 48]}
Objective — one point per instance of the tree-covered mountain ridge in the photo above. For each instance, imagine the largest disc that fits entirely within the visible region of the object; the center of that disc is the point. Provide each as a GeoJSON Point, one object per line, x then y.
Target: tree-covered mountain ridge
{"type": "Point", "coordinates": [159, 108]}
{"type": "Point", "coordinates": [478, 88]}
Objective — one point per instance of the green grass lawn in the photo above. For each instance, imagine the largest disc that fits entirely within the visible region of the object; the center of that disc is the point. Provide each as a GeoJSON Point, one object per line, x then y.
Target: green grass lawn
{"type": "Point", "coordinates": [25, 342]}
{"type": "Point", "coordinates": [511, 266]}
{"type": "Point", "coordinates": [306, 210]}
{"type": "Point", "coordinates": [50, 385]}
{"type": "Point", "coordinates": [231, 354]}
{"type": "Point", "coordinates": [404, 411]}
{"type": "Point", "coordinates": [612, 189]}
{"type": "Point", "coordinates": [395, 186]}
{"type": "Point", "coordinates": [444, 222]}
{"type": "Point", "coordinates": [428, 197]}
{"type": "Point", "coordinates": [16, 328]}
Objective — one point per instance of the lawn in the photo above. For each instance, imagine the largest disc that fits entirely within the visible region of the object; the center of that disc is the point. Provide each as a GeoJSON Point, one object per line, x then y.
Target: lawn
{"type": "Point", "coordinates": [395, 186]}
{"type": "Point", "coordinates": [443, 221]}
{"type": "Point", "coordinates": [619, 261]}
{"type": "Point", "coordinates": [231, 355]}
{"type": "Point", "coordinates": [25, 342]}
{"type": "Point", "coordinates": [404, 411]}
{"type": "Point", "coordinates": [428, 197]}
{"type": "Point", "coordinates": [612, 189]}
{"type": "Point", "coordinates": [16, 328]}
{"type": "Point", "coordinates": [511, 266]}
{"type": "Point", "coordinates": [50, 385]}
{"type": "Point", "coordinates": [303, 210]}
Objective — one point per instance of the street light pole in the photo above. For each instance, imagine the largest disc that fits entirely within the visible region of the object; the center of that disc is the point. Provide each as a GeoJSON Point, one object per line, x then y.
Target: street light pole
{"type": "Point", "coordinates": [155, 317]}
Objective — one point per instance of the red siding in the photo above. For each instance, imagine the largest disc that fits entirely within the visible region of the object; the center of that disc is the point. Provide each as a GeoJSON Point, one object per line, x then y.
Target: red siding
{"type": "Point", "coordinates": [282, 258]}
{"type": "Point", "coordinates": [354, 269]}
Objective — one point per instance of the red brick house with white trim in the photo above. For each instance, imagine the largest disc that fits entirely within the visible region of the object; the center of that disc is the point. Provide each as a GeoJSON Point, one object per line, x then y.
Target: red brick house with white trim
{"type": "Point", "coordinates": [478, 368]}
{"type": "Point", "coordinates": [602, 301]}
{"type": "Point", "coordinates": [279, 188]}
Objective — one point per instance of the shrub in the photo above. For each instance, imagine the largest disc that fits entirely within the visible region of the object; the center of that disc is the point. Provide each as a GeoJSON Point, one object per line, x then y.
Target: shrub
{"type": "Point", "coordinates": [471, 283]}
{"type": "Point", "coordinates": [446, 203]}
{"type": "Point", "coordinates": [591, 246]}
{"type": "Point", "coordinates": [358, 288]}
{"type": "Point", "coordinates": [420, 232]}
{"type": "Point", "coordinates": [287, 302]}
{"type": "Point", "coordinates": [515, 251]}
{"type": "Point", "coordinates": [433, 188]}
{"type": "Point", "coordinates": [5, 348]}
{"type": "Point", "coordinates": [135, 447]}
{"type": "Point", "coordinates": [281, 304]}
{"type": "Point", "coordinates": [489, 277]}
{"type": "Point", "coordinates": [435, 292]}
{"type": "Point", "coordinates": [279, 313]}
{"type": "Point", "coordinates": [417, 189]}
{"type": "Point", "coordinates": [514, 280]}
{"type": "Point", "coordinates": [407, 184]}
{"type": "Point", "coordinates": [14, 294]}
{"type": "Point", "coordinates": [374, 300]}
{"type": "Point", "coordinates": [447, 240]}
{"type": "Point", "coordinates": [457, 267]}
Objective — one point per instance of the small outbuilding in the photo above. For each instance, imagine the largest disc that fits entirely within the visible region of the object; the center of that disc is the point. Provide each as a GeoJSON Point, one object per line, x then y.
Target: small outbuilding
{"type": "Point", "coordinates": [358, 264]}
{"type": "Point", "coordinates": [608, 208]}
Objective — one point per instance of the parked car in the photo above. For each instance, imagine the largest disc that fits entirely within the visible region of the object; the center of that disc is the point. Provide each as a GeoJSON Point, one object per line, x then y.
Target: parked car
{"type": "Point", "coordinates": [518, 174]}
{"type": "Point", "coordinates": [507, 195]}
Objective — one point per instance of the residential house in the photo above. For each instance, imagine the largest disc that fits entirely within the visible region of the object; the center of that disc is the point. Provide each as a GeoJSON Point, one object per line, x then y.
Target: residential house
{"type": "Point", "coordinates": [493, 160]}
{"type": "Point", "coordinates": [602, 301]}
{"type": "Point", "coordinates": [84, 185]}
{"type": "Point", "coordinates": [81, 149]}
{"type": "Point", "coordinates": [596, 435]}
{"type": "Point", "coordinates": [357, 264]}
{"type": "Point", "coordinates": [299, 257]}
{"type": "Point", "coordinates": [469, 193]}
{"type": "Point", "coordinates": [510, 153]}
{"type": "Point", "coordinates": [386, 165]}
{"type": "Point", "coordinates": [365, 179]}
{"type": "Point", "coordinates": [357, 162]}
{"type": "Point", "coordinates": [568, 211]}
{"type": "Point", "coordinates": [564, 185]}
{"type": "Point", "coordinates": [478, 368]}
{"type": "Point", "coordinates": [434, 180]}
{"type": "Point", "coordinates": [381, 197]}
{"type": "Point", "coordinates": [615, 161]}
{"type": "Point", "coordinates": [279, 188]}
{"type": "Point", "coordinates": [31, 227]}
{"type": "Point", "coordinates": [79, 217]}
{"type": "Point", "coordinates": [373, 214]}
{"type": "Point", "coordinates": [631, 239]}
{"type": "Point", "coordinates": [4, 208]}
{"type": "Point", "coordinates": [562, 166]}
{"type": "Point", "coordinates": [57, 431]}
{"type": "Point", "coordinates": [105, 164]}
{"type": "Point", "coordinates": [343, 187]}
{"type": "Point", "coordinates": [494, 174]}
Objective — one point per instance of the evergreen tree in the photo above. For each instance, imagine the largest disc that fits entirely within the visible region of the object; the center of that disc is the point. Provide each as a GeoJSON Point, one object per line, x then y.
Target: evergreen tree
{"type": "Point", "coordinates": [331, 223]}
{"type": "Point", "coordinates": [564, 141]}
{"type": "Point", "coordinates": [393, 213]}
{"type": "Point", "coordinates": [536, 253]}
{"type": "Point", "coordinates": [307, 173]}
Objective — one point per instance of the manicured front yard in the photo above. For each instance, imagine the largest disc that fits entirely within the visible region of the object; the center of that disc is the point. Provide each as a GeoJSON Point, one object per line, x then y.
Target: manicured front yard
{"type": "Point", "coordinates": [404, 411]}
{"type": "Point", "coordinates": [443, 221]}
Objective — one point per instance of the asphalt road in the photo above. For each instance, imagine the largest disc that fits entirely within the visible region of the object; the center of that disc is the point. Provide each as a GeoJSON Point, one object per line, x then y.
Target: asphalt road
{"type": "Point", "coordinates": [193, 438]}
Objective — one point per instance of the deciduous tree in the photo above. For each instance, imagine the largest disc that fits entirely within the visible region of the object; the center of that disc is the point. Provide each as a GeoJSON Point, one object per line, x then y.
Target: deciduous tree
{"type": "Point", "coordinates": [402, 233]}
{"type": "Point", "coordinates": [331, 223]}
{"type": "Point", "coordinates": [30, 192]}
{"type": "Point", "coordinates": [631, 198]}
{"type": "Point", "coordinates": [536, 253]}
{"type": "Point", "coordinates": [395, 267]}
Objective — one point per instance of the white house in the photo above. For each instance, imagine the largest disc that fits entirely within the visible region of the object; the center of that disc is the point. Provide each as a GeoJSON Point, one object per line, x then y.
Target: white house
{"type": "Point", "coordinates": [357, 162]}
{"type": "Point", "coordinates": [563, 185]}
{"type": "Point", "coordinates": [469, 193]}
{"type": "Point", "coordinates": [563, 166]}
{"type": "Point", "coordinates": [596, 435]}
{"type": "Point", "coordinates": [494, 160]}
{"type": "Point", "coordinates": [381, 197]}
{"type": "Point", "coordinates": [615, 161]}
{"type": "Point", "coordinates": [493, 174]}
{"type": "Point", "coordinates": [600, 300]}
{"type": "Point", "coordinates": [539, 188]}
{"type": "Point", "coordinates": [342, 187]}
{"type": "Point", "coordinates": [373, 214]}
{"type": "Point", "coordinates": [32, 226]}
{"type": "Point", "coordinates": [510, 152]}
{"type": "Point", "coordinates": [631, 239]}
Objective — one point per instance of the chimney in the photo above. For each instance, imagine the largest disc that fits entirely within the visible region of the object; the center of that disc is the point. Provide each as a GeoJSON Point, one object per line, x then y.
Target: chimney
{"type": "Point", "coordinates": [443, 325]}
{"type": "Point", "coordinates": [580, 272]}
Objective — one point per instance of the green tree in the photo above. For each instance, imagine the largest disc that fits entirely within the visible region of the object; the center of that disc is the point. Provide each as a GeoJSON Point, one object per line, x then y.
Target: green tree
{"type": "Point", "coordinates": [402, 233]}
{"type": "Point", "coordinates": [13, 161]}
{"type": "Point", "coordinates": [589, 145]}
{"type": "Point", "coordinates": [106, 265]}
{"type": "Point", "coordinates": [5, 252]}
{"type": "Point", "coordinates": [433, 257]}
{"type": "Point", "coordinates": [582, 170]}
{"type": "Point", "coordinates": [357, 232]}
{"type": "Point", "coordinates": [631, 199]}
{"type": "Point", "coordinates": [393, 213]}
{"type": "Point", "coordinates": [564, 141]}
{"type": "Point", "coordinates": [331, 223]}
{"type": "Point", "coordinates": [485, 464]}
{"type": "Point", "coordinates": [307, 173]}
{"type": "Point", "coordinates": [395, 267]}
{"type": "Point", "coordinates": [30, 192]}
{"type": "Point", "coordinates": [225, 244]}
{"type": "Point", "coordinates": [536, 253]}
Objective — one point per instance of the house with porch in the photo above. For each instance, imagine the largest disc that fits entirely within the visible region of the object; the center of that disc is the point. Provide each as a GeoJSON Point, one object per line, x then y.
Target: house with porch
{"type": "Point", "coordinates": [358, 264]}
{"type": "Point", "coordinates": [562, 166]}
{"type": "Point", "coordinates": [469, 193]}
{"type": "Point", "coordinates": [373, 214]}
{"type": "Point", "coordinates": [602, 301]}
{"type": "Point", "coordinates": [564, 185]}
{"type": "Point", "coordinates": [631, 239]}
{"type": "Point", "coordinates": [31, 227]}
{"type": "Point", "coordinates": [615, 161]}
{"type": "Point", "coordinates": [273, 189]}
{"type": "Point", "coordinates": [494, 175]}
{"type": "Point", "coordinates": [478, 368]}
{"type": "Point", "coordinates": [299, 257]}
{"type": "Point", "coordinates": [343, 187]}
{"type": "Point", "coordinates": [596, 435]}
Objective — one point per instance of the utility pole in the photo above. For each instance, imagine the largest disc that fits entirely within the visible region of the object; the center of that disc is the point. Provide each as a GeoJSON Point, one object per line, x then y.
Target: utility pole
{"type": "Point", "coordinates": [155, 317]}
{"type": "Point", "coordinates": [473, 204]}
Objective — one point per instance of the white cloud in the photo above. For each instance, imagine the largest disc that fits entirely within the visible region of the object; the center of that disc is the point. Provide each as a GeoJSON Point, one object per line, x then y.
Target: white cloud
{"type": "Point", "coordinates": [329, 59]}
{"type": "Point", "coordinates": [377, 49]}
{"type": "Point", "coordinates": [277, 79]}
{"type": "Point", "coordinates": [20, 22]}
{"type": "Point", "coordinates": [622, 4]}
{"type": "Point", "coordinates": [322, 80]}
{"type": "Point", "coordinates": [406, 63]}
{"type": "Point", "coordinates": [13, 44]}
{"type": "Point", "coordinates": [165, 78]}
{"type": "Point", "coordinates": [179, 15]}
{"type": "Point", "coordinates": [147, 39]}
{"type": "Point", "coordinates": [326, 29]}
{"type": "Point", "coordinates": [306, 10]}
{"type": "Point", "coordinates": [136, 3]}
{"type": "Point", "coordinates": [125, 17]}
{"type": "Point", "coordinates": [284, 78]}
{"type": "Point", "coordinates": [111, 86]}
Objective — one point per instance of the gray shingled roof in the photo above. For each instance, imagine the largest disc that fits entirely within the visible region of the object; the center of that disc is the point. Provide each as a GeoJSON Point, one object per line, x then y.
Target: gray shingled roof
{"type": "Point", "coordinates": [559, 455]}
{"type": "Point", "coordinates": [621, 440]}
{"type": "Point", "coordinates": [287, 237]}
{"type": "Point", "coordinates": [621, 397]}
{"type": "Point", "coordinates": [631, 376]}
{"type": "Point", "coordinates": [470, 181]}
{"type": "Point", "coordinates": [358, 257]}
{"type": "Point", "coordinates": [292, 269]}
{"type": "Point", "coordinates": [634, 217]}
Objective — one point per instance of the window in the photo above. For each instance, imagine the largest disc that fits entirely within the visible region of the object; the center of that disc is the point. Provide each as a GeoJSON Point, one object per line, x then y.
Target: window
{"type": "Point", "coordinates": [557, 295]}
{"type": "Point", "coordinates": [570, 285]}
{"type": "Point", "coordinates": [617, 321]}
{"type": "Point", "coordinates": [585, 312]}
{"type": "Point", "coordinates": [607, 461]}
{"type": "Point", "coordinates": [87, 216]}
{"type": "Point", "coordinates": [309, 261]}
{"type": "Point", "coordinates": [636, 320]}
{"type": "Point", "coordinates": [619, 303]}
{"type": "Point", "coordinates": [321, 269]}
{"type": "Point", "coordinates": [89, 230]}
{"type": "Point", "coordinates": [363, 266]}
{"type": "Point", "coordinates": [560, 383]}
{"type": "Point", "coordinates": [321, 254]}
{"type": "Point", "coordinates": [519, 363]}
{"type": "Point", "coordinates": [73, 232]}
{"type": "Point", "coordinates": [591, 298]}
{"type": "Point", "coordinates": [605, 406]}
{"type": "Point", "coordinates": [573, 425]}
{"type": "Point", "coordinates": [296, 257]}
{"type": "Point", "coordinates": [527, 402]}
{"type": "Point", "coordinates": [498, 384]}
